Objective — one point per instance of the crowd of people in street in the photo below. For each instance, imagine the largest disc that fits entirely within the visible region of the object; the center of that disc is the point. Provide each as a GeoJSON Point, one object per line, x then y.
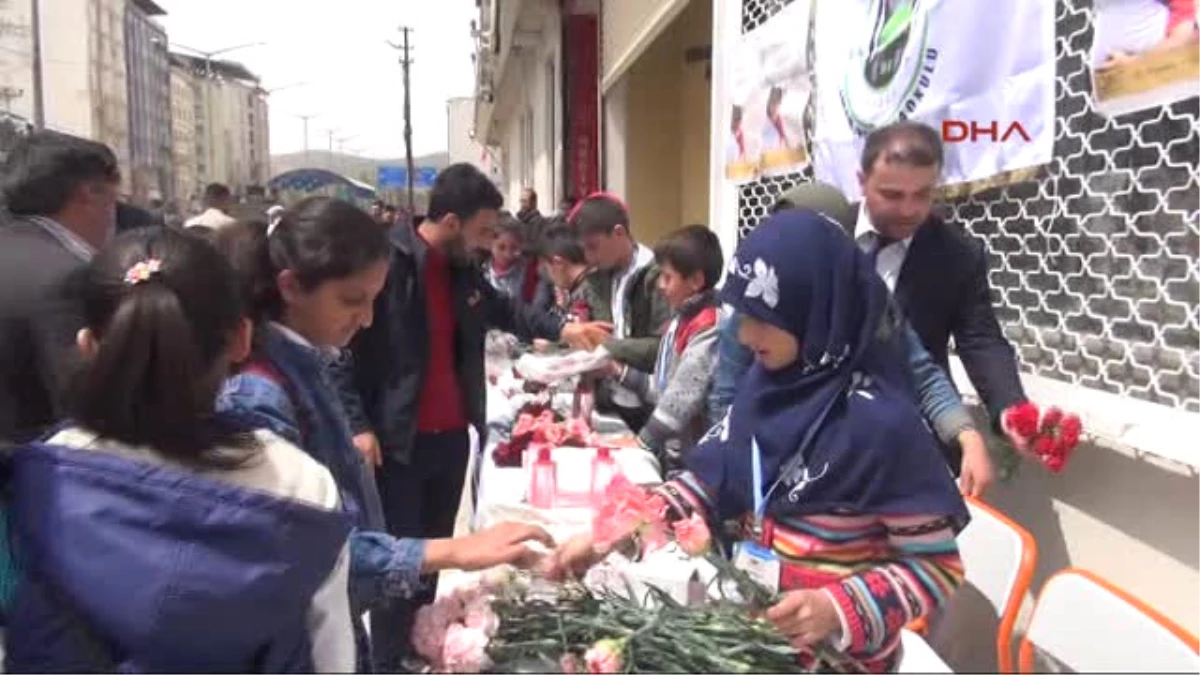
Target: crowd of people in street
{"type": "Point", "coordinates": [230, 440]}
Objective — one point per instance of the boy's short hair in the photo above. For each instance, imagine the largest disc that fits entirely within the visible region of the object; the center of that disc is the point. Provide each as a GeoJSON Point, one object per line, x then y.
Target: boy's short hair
{"type": "Point", "coordinates": [561, 241]}
{"type": "Point", "coordinates": [691, 249]}
{"type": "Point", "coordinates": [600, 214]}
{"type": "Point", "coordinates": [509, 225]}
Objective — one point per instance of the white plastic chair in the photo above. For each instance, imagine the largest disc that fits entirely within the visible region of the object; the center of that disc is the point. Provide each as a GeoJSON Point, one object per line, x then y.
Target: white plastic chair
{"type": "Point", "coordinates": [1091, 626]}
{"type": "Point", "coordinates": [999, 557]}
{"type": "Point", "coordinates": [918, 656]}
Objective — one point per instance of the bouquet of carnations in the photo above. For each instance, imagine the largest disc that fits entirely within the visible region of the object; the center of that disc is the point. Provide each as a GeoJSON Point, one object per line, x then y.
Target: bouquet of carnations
{"type": "Point", "coordinates": [514, 623]}
{"type": "Point", "coordinates": [1051, 435]}
{"type": "Point", "coordinates": [543, 429]}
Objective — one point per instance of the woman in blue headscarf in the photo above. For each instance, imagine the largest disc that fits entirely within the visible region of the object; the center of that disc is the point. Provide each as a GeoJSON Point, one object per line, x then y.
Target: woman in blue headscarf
{"type": "Point", "coordinates": [846, 502]}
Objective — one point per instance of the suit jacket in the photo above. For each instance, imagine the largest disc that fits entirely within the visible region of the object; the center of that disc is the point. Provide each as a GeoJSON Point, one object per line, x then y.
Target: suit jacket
{"type": "Point", "coordinates": [39, 318]}
{"type": "Point", "coordinates": [943, 289]}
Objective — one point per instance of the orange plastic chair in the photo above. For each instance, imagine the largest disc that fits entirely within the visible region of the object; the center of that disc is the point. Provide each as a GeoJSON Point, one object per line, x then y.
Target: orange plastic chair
{"type": "Point", "coordinates": [999, 557]}
{"type": "Point", "coordinates": [1090, 625]}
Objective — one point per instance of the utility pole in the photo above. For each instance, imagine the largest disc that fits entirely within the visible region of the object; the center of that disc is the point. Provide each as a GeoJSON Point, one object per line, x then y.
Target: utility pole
{"type": "Point", "coordinates": [405, 63]}
{"type": "Point", "coordinates": [305, 119]}
{"type": "Point", "coordinates": [35, 28]}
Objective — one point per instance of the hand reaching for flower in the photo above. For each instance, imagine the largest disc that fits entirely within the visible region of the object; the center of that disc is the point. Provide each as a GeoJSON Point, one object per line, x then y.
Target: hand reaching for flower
{"type": "Point", "coordinates": [502, 544]}
{"type": "Point", "coordinates": [805, 617]}
{"type": "Point", "coordinates": [574, 558]}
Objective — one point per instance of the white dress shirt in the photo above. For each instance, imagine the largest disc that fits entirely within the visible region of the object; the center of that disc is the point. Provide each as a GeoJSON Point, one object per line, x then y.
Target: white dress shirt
{"type": "Point", "coordinates": [214, 218]}
{"type": "Point", "coordinates": [890, 260]}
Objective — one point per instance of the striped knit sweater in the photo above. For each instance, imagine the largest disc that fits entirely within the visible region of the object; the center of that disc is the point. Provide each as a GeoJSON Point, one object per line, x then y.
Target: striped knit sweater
{"type": "Point", "coordinates": [880, 572]}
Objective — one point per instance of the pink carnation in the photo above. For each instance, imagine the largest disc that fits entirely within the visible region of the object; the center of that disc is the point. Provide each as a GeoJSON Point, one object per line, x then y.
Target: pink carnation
{"type": "Point", "coordinates": [465, 650]}
{"type": "Point", "coordinates": [480, 617]}
{"type": "Point", "coordinates": [629, 509]}
{"type": "Point", "coordinates": [604, 657]}
{"type": "Point", "coordinates": [429, 629]}
{"type": "Point", "coordinates": [693, 535]}
{"type": "Point", "coordinates": [569, 664]}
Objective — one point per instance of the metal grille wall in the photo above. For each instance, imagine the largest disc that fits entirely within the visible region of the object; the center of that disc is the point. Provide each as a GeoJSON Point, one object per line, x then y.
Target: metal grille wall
{"type": "Point", "coordinates": [1093, 265]}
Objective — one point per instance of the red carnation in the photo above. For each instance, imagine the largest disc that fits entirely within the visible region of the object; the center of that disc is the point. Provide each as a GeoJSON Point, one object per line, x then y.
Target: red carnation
{"type": "Point", "coordinates": [1022, 419]}
{"type": "Point", "coordinates": [1050, 419]}
{"type": "Point", "coordinates": [1055, 463]}
{"type": "Point", "coordinates": [1070, 429]}
{"type": "Point", "coordinates": [1043, 446]}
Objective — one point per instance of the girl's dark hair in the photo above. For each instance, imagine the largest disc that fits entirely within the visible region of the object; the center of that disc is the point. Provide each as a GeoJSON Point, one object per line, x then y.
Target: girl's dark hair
{"type": "Point", "coordinates": [318, 239]}
{"type": "Point", "coordinates": [163, 307]}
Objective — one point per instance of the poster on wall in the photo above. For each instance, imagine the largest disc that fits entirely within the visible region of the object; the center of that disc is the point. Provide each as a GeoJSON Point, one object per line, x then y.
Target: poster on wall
{"type": "Point", "coordinates": [769, 91]}
{"type": "Point", "coordinates": [952, 64]}
{"type": "Point", "coordinates": [1145, 53]}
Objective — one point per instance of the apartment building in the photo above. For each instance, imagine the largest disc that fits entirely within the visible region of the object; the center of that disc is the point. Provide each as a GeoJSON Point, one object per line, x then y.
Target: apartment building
{"type": "Point", "coordinates": [183, 134]}
{"type": "Point", "coordinates": [84, 75]}
{"type": "Point", "coordinates": [16, 61]}
{"type": "Point", "coordinates": [231, 129]}
{"type": "Point", "coordinates": [149, 76]}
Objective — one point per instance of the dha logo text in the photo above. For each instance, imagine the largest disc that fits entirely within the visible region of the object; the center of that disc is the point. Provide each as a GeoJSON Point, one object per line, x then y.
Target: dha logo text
{"type": "Point", "coordinates": [974, 131]}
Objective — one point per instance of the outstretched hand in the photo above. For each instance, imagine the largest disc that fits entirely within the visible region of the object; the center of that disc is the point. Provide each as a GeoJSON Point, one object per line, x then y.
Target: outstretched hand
{"type": "Point", "coordinates": [586, 336]}
{"type": "Point", "coordinates": [574, 558]}
{"type": "Point", "coordinates": [501, 544]}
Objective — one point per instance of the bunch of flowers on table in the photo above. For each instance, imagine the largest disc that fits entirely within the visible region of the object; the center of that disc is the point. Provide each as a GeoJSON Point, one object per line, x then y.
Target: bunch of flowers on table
{"type": "Point", "coordinates": [511, 622]}
{"type": "Point", "coordinates": [541, 427]}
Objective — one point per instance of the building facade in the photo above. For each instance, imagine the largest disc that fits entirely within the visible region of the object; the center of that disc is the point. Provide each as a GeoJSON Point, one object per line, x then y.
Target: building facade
{"type": "Point", "coordinates": [231, 131]}
{"type": "Point", "coordinates": [461, 144]}
{"type": "Point", "coordinates": [183, 135]}
{"type": "Point", "coordinates": [150, 111]}
{"type": "Point", "coordinates": [519, 112]}
{"type": "Point", "coordinates": [16, 61]}
{"type": "Point", "coordinates": [84, 77]}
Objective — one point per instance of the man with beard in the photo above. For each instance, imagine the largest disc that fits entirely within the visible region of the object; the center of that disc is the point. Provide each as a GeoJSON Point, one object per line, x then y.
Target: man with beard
{"type": "Point", "coordinates": [418, 370]}
{"type": "Point", "coordinates": [938, 274]}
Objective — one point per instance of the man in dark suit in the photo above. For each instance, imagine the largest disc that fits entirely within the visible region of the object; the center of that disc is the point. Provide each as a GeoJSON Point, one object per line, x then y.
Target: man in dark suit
{"type": "Point", "coordinates": [61, 197]}
{"type": "Point", "coordinates": [938, 273]}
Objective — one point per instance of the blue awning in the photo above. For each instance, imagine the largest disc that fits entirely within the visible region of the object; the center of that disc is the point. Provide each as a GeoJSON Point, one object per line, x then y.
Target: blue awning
{"type": "Point", "coordinates": [307, 180]}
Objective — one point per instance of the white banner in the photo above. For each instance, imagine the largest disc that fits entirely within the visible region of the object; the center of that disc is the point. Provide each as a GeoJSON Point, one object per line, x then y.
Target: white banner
{"type": "Point", "coordinates": [769, 90]}
{"type": "Point", "coordinates": [982, 73]}
{"type": "Point", "coordinates": [1144, 54]}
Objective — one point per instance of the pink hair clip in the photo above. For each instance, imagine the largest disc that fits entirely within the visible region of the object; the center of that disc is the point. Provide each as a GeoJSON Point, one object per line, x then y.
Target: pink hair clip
{"type": "Point", "coordinates": [142, 271]}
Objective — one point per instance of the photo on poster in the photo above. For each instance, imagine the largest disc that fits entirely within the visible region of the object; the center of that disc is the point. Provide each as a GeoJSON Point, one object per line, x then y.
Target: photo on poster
{"type": "Point", "coordinates": [1145, 53]}
{"type": "Point", "coordinates": [937, 62]}
{"type": "Point", "coordinates": [769, 92]}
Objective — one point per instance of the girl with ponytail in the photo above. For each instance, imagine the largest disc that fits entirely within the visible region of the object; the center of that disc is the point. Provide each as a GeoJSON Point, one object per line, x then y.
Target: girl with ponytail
{"type": "Point", "coordinates": [310, 281]}
{"type": "Point", "coordinates": [154, 534]}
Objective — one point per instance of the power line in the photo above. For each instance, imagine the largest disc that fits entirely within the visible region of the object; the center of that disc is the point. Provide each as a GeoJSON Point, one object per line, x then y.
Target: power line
{"type": "Point", "coordinates": [406, 62]}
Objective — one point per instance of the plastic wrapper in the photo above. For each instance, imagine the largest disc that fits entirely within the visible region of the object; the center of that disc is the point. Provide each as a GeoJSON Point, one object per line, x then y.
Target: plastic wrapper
{"type": "Point", "coordinates": [555, 368]}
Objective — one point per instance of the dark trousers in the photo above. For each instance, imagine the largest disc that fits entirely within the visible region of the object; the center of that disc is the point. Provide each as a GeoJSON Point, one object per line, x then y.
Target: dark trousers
{"type": "Point", "coordinates": [420, 501]}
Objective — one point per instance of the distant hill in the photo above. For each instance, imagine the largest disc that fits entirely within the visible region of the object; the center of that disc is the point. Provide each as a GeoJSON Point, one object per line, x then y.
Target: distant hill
{"type": "Point", "coordinates": [353, 166]}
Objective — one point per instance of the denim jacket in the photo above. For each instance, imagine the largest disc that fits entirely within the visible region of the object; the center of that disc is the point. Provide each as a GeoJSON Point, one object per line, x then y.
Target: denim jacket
{"type": "Point", "coordinates": [938, 399]}
{"type": "Point", "coordinates": [381, 566]}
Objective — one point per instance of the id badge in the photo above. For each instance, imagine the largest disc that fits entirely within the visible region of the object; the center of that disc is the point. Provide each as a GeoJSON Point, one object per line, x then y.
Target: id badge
{"type": "Point", "coordinates": [760, 563]}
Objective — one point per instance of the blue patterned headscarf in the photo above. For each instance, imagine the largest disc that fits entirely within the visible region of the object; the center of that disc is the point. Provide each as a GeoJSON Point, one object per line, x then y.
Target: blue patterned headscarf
{"type": "Point", "coordinates": [839, 430]}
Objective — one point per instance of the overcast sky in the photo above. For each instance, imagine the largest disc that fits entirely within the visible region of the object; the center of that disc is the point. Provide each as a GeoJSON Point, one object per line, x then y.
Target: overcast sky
{"type": "Point", "coordinates": [338, 48]}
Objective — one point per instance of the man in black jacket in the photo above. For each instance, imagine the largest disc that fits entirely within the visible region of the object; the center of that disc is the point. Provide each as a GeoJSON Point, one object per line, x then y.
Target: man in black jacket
{"type": "Point", "coordinates": [419, 377]}
{"type": "Point", "coordinates": [938, 273]}
{"type": "Point", "coordinates": [61, 195]}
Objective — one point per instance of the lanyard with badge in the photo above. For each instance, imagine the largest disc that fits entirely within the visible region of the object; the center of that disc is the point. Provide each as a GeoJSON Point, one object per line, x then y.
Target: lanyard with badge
{"type": "Point", "coordinates": [756, 556]}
